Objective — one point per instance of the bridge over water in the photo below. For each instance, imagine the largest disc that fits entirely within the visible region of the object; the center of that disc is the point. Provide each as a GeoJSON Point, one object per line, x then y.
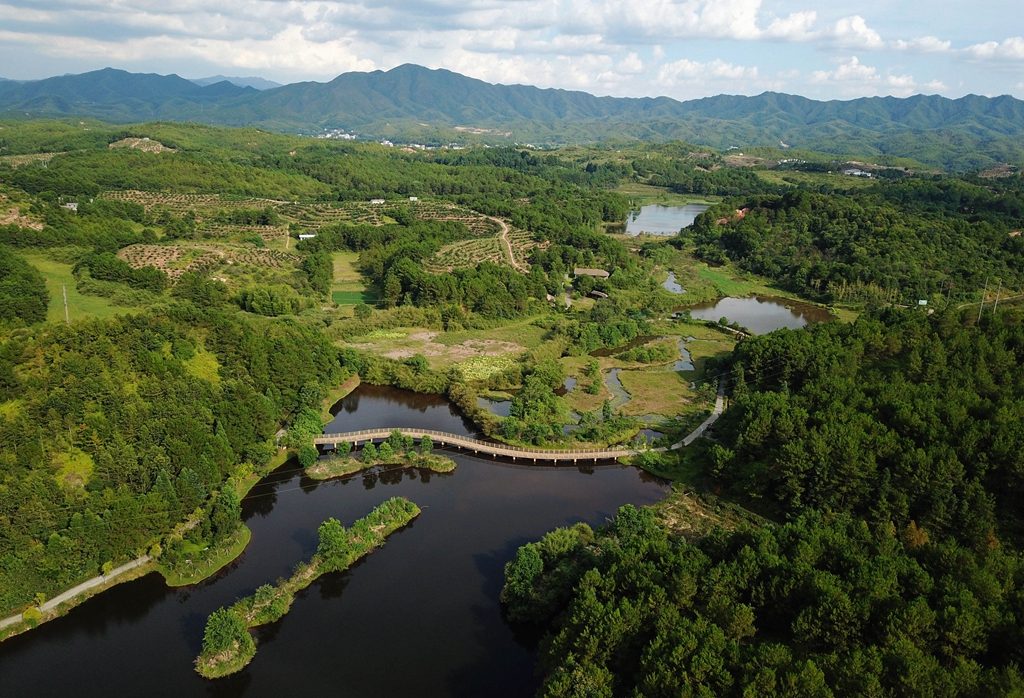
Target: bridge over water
{"type": "Point", "coordinates": [469, 443]}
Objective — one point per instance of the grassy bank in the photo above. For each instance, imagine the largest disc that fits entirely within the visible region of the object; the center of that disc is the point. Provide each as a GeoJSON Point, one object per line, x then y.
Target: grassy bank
{"type": "Point", "coordinates": [209, 561]}
{"type": "Point", "coordinates": [336, 394]}
{"type": "Point", "coordinates": [227, 644]}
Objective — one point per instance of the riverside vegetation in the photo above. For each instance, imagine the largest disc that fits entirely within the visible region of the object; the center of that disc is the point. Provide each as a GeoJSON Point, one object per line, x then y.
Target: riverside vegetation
{"type": "Point", "coordinates": [883, 454]}
{"type": "Point", "coordinates": [396, 450]}
{"type": "Point", "coordinates": [227, 644]}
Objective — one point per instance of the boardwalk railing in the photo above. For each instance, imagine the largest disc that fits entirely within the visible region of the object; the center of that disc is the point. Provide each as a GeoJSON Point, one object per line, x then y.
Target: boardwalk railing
{"type": "Point", "coordinates": [468, 442]}
{"type": "Point", "coordinates": [514, 452]}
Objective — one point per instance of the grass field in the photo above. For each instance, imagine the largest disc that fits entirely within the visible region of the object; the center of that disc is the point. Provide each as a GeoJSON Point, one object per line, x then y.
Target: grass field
{"type": "Point", "coordinates": [656, 392]}
{"type": "Point", "coordinates": [445, 349]}
{"type": "Point", "coordinates": [79, 307]}
{"type": "Point", "coordinates": [815, 179]}
{"type": "Point", "coordinates": [644, 194]}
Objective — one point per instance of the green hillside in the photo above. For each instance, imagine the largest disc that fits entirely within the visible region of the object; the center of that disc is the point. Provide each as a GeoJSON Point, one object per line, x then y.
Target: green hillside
{"type": "Point", "coordinates": [413, 103]}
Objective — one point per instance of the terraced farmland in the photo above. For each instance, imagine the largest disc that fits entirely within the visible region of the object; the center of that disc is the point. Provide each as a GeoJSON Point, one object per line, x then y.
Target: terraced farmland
{"type": "Point", "coordinates": [175, 260]}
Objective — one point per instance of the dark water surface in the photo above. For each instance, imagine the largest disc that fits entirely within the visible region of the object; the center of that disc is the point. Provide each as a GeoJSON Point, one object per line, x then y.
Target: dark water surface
{"type": "Point", "coordinates": [418, 617]}
{"type": "Point", "coordinates": [761, 314]}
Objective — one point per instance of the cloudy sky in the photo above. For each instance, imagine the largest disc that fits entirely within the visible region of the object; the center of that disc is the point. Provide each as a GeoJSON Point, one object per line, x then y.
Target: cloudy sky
{"type": "Point", "coordinates": [680, 48]}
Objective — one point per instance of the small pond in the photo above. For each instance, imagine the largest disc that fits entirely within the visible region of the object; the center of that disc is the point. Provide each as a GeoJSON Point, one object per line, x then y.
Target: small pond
{"type": "Point", "coordinates": [670, 284]}
{"type": "Point", "coordinates": [498, 407]}
{"type": "Point", "coordinates": [662, 220]}
{"type": "Point", "coordinates": [761, 314]}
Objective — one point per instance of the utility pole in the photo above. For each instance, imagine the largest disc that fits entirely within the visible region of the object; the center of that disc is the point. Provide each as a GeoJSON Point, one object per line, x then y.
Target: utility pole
{"type": "Point", "coordinates": [983, 294]}
{"type": "Point", "coordinates": [64, 290]}
{"type": "Point", "coordinates": [994, 307]}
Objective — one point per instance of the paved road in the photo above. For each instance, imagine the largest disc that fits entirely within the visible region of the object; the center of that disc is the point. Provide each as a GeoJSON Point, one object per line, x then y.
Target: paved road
{"type": "Point", "coordinates": [715, 414]}
{"type": "Point", "coordinates": [84, 586]}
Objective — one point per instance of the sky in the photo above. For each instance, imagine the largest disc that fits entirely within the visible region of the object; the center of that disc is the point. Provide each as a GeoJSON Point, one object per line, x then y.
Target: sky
{"type": "Point", "coordinates": [680, 48]}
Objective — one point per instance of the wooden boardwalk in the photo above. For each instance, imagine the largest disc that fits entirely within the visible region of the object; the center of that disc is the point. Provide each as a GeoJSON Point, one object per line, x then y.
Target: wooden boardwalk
{"type": "Point", "coordinates": [443, 438]}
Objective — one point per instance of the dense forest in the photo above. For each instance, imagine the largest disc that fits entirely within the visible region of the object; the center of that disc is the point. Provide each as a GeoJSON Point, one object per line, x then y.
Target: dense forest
{"type": "Point", "coordinates": [891, 449]}
{"type": "Point", "coordinates": [115, 430]}
{"type": "Point", "coordinates": [901, 242]}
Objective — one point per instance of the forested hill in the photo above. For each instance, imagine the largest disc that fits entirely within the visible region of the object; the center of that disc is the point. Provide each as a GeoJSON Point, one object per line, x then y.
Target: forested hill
{"type": "Point", "coordinates": [418, 103]}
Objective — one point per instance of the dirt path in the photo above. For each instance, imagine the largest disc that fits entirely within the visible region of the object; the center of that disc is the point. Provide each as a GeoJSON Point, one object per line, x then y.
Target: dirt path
{"type": "Point", "coordinates": [508, 245]}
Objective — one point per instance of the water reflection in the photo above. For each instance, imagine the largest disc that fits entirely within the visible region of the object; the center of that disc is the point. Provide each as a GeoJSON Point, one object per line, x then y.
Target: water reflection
{"type": "Point", "coordinates": [435, 584]}
{"type": "Point", "coordinates": [670, 284]}
{"type": "Point", "coordinates": [662, 220]}
{"type": "Point", "coordinates": [761, 314]}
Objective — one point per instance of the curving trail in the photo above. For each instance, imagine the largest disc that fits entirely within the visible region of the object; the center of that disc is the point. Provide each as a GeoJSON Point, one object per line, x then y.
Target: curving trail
{"type": "Point", "coordinates": [517, 452]}
{"type": "Point", "coordinates": [508, 245]}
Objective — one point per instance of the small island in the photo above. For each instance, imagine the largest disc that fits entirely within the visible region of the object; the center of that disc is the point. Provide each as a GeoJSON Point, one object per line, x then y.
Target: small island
{"type": "Point", "coordinates": [227, 644]}
{"type": "Point", "coordinates": [397, 450]}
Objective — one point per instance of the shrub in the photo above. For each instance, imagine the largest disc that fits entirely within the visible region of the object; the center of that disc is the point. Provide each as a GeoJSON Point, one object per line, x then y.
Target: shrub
{"type": "Point", "coordinates": [308, 455]}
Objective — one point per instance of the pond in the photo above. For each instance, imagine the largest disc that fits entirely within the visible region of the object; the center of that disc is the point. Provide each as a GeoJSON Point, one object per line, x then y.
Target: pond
{"type": "Point", "coordinates": [419, 616]}
{"type": "Point", "coordinates": [670, 284]}
{"type": "Point", "coordinates": [662, 220]}
{"type": "Point", "coordinates": [761, 314]}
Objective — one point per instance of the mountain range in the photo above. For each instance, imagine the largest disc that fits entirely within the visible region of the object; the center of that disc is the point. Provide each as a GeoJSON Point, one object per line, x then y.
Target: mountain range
{"type": "Point", "coordinates": [415, 103]}
{"type": "Point", "coordinates": [251, 81]}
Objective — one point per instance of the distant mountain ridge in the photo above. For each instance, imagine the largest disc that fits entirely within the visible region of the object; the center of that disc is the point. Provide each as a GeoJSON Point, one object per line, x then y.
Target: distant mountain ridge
{"type": "Point", "coordinates": [415, 102]}
{"type": "Point", "coordinates": [251, 81]}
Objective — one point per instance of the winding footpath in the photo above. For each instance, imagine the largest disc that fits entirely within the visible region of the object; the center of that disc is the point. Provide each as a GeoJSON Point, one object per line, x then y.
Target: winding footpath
{"type": "Point", "coordinates": [508, 245]}
{"type": "Point", "coordinates": [495, 448]}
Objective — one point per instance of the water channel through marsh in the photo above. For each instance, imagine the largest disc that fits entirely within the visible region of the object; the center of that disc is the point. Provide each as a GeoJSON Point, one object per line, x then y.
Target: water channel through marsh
{"type": "Point", "coordinates": [418, 617]}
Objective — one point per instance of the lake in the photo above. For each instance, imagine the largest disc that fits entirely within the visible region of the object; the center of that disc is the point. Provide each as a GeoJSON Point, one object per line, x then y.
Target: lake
{"type": "Point", "coordinates": [419, 616]}
{"type": "Point", "coordinates": [662, 220]}
{"type": "Point", "coordinates": [761, 314]}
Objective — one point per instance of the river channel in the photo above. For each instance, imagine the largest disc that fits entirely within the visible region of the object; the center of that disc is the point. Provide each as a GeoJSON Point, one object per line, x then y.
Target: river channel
{"type": "Point", "coordinates": [418, 617]}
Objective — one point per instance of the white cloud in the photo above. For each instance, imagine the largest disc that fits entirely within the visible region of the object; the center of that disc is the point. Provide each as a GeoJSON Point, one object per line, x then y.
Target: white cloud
{"type": "Point", "coordinates": [797, 27]}
{"type": "Point", "coordinates": [855, 78]}
{"type": "Point", "coordinates": [924, 44]}
{"type": "Point", "coordinates": [288, 49]}
{"type": "Point", "coordinates": [1009, 50]}
{"type": "Point", "coordinates": [854, 32]}
{"type": "Point", "coordinates": [685, 70]}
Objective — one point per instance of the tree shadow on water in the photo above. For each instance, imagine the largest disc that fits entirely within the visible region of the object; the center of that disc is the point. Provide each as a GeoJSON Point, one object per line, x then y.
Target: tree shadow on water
{"type": "Point", "coordinates": [507, 652]}
{"type": "Point", "coordinates": [229, 686]}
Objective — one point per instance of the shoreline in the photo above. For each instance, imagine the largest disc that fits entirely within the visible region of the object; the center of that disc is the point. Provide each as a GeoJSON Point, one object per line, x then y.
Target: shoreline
{"type": "Point", "coordinates": [60, 605]}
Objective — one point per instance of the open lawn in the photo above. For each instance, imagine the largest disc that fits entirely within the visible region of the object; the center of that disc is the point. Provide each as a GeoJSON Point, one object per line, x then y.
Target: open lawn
{"type": "Point", "coordinates": [348, 287]}
{"type": "Point", "coordinates": [702, 349]}
{"type": "Point", "coordinates": [522, 332]}
{"type": "Point", "coordinates": [445, 349]}
{"type": "Point", "coordinates": [656, 392]}
{"type": "Point", "coordinates": [815, 179]}
{"type": "Point", "coordinates": [80, 307]}
{"type": "Point", "coordinates": [644, 194]}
